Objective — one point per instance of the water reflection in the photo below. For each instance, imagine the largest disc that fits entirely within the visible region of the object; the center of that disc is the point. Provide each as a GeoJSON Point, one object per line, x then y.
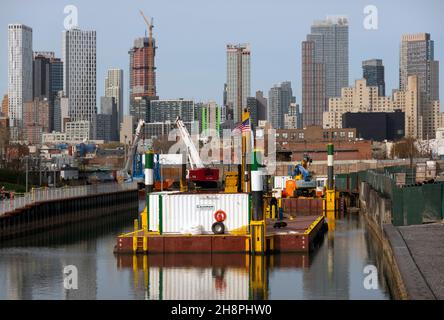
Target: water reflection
{"type": "Point", "coordinates": [33, 268]}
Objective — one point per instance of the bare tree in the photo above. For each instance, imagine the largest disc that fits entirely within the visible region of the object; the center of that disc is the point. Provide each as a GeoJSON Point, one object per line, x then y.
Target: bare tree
{"type": "Point", "coordinates": [406, 149]}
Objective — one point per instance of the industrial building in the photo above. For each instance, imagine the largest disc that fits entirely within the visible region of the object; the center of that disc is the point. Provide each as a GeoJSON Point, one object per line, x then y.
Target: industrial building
{"type": "Point", "coordinates": [377, 126]}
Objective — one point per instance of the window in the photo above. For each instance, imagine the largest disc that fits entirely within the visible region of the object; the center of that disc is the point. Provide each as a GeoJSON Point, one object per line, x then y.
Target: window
{"type": "Point", "coordinates": [350, 134]}
{"type": "Point", "coordinates": [301, 135]}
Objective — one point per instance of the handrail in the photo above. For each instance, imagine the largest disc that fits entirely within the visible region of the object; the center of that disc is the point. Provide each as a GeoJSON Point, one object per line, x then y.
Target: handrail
{"type": "Point", "coordinates": [48, 194]}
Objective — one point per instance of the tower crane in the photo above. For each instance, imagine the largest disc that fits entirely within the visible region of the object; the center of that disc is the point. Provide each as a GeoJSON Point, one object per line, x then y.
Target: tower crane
{"type": "Point", "coordinates": [199, 174]}
{"type": "Point", "coordinates": [149, 24]}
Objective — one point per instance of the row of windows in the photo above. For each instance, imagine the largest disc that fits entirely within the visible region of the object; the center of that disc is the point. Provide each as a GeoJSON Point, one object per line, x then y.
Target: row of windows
{"type": "Point", "coordinates": [326, 135]}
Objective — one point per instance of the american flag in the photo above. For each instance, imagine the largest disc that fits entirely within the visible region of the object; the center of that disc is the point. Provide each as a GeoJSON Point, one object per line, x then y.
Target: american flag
{"type": "Point", "coordinates": [243, 126]}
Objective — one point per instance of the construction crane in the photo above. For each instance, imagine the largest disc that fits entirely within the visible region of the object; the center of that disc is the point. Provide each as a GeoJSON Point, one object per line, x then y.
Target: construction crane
{"type": "Point", "coordinates": [123, 175]}
{"type": "Point", "coordinates": [199, 174]}
{"type": "Point", "coordinates": [149, 24]}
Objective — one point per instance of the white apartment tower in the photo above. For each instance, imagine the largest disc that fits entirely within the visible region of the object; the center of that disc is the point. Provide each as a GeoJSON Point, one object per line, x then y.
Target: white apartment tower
{"type": "Point", "coordinates": [417, 59]}
{"type": "Point", "coordinates": [238, 78]}
{"type": "Point", "coordinates": [79, 73]}
{"type": "Point", "coordinates": [114, 89]}
{"type": "Point", "coordinates": [19, 73]}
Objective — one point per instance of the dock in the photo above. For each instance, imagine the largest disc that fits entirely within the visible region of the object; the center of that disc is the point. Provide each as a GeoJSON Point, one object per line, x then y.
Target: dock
{"type": "Point", "coordinates": [418, 252]}
{"type": "Point", "coordinates": [300, 235]}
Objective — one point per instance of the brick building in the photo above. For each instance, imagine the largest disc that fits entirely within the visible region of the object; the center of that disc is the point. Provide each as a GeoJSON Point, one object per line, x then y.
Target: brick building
{"type": "Point", "coordinates": [36, 120]}
{"type": "Point", "coordinates": [291, 144]}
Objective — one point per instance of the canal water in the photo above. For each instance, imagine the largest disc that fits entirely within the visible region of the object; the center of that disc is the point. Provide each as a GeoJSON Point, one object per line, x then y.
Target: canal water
{"type": "Point", "coordinates": [33, 268]}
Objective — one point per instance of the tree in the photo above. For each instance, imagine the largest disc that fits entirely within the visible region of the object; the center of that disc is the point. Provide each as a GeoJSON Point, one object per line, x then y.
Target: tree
{"type": "Point", "coordinates": [405, 149]}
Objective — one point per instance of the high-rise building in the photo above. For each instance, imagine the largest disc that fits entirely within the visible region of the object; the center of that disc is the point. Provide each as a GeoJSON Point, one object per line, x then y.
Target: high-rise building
{"type": "Point", "coordinates": [36, 119]}
{"type": "Point", "coordinates": [19, 74]}
{"type": "Point", "coordinates": [360, 98]}
{"type": "Point", "coordinates": [313, 85]}
{"type": "Point", "coordinates": [324, 66]}
{"type": "Point", "coordinates": [47, 80]}
{"type": "Point", "coordinates": [409, 100]}
{"type": "Point", "coordinates": [80, 130]}
{"type": "Point", "coordinates": [417, 58]}
{"type": "Point", "coordinates": [257, 106]}
{"type": "Point", "coordinates": [48, 74]}
{"type": "Point", "coordinates": [108, 106]}
{"type": "Point", "coordinates": [169, 110]}
{"type": "Point", "coordinates": [103, 127]}
{"type": "Point", "coordinates": [225, 95]}
{"type": "Point", "coordinates": [238, 79]}
{"type": "Point", "coordinates": [79, 73]}
{"type": "Point", "coordinates": [5, 106]}
{"type": "Point", "coordinates": [293, 119]}
{"type": "Point", "coordinates": [61, 112]}
{"type": "Point", "coordinates": [127, 129]}
{"type": "Point", "coordinates": [41, 76]}
{"type": "Point", "coordinates": [140, 108]}
{"type": "Point", "coordinates": [262, 106]}
{"type": "Point", "coordinates": [331, 38]}
{"type": "Point", "coordinates": [373, 72]}
{"type": "Point", "coordinates": [114, 88]}
{"type": "Point", "coordinates": [142, 72]}
{"type": "Point", "coordinates": [209, 116]}
{"type": "Point", "coordinates": [279, 98]}
{"type": "Point", "coordinates": [252, 106]}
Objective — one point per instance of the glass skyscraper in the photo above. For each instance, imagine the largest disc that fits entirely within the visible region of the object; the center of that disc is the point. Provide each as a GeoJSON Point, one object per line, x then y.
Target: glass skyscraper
{"type": "Point", "coordinates": [373, 72]}
{"type": "Point", "coordinates": [324, 66]}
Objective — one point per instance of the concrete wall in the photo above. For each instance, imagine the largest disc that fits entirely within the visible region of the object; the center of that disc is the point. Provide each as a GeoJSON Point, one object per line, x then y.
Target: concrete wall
{"type": "Point", "coordinates": [46, 215]}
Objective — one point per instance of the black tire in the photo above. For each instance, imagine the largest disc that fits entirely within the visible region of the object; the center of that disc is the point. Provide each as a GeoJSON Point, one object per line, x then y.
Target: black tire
{"type": "Point", "coordinates": [218, 228]}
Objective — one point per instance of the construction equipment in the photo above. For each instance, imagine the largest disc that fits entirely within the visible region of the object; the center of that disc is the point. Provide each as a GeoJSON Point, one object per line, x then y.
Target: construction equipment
{"type": "Point", "coordinates": [149, 24]}
{"type": "Point", "coordinates": [302, 183]}
{"type": "Point", "coordinates": [123, 175]}
{"type": "Point", "coordinates": [231, 181]}
{"type": "Point", "coordinates": [199, 174]}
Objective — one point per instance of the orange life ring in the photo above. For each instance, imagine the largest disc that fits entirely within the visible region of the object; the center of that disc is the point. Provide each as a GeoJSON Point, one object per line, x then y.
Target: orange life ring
{"type": "Point", "coordinates": [220, 215]}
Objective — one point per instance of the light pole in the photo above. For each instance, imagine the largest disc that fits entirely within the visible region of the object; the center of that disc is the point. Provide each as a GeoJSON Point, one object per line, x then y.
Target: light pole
{"type": "Point", "coordinates": [26, 159]}
{"type": "Point", "coordinates": [124, 147]}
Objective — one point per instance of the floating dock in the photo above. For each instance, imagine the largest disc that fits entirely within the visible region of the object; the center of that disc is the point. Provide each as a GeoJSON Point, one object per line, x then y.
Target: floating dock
{"type": "Point", "coordinates": [300, 235]}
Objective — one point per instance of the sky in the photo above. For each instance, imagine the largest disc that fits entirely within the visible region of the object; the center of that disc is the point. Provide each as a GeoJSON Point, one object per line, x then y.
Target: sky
{"type": "Point", "coordinates": [191, 36]}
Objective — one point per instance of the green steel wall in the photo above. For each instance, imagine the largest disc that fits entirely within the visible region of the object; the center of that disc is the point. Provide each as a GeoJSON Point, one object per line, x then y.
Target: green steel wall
{"type": "Point", "coordinates": [410, 204]}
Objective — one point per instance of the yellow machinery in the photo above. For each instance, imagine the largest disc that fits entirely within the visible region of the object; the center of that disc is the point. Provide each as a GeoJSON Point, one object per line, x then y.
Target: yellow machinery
{"type": "Point", "coordinates": [231, 180]}
{"type": "Point", "coordinates": [302, 183]}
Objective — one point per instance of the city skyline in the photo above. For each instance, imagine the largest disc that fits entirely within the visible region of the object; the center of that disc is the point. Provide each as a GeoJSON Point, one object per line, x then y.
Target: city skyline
{"type": "Point", "coordinates": [273, 63]}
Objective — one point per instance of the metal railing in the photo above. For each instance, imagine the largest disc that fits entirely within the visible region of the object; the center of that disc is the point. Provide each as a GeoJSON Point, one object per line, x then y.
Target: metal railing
{"type": "Point", "coordinates": [48, 194]}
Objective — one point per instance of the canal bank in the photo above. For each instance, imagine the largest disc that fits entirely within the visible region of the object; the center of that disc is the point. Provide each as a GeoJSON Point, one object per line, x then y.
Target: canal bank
{"type": "Point", "coordinates": [405, 216]}
{"type": "Point", "coordinates": [413, 259]}
{"type": "Point", "coordinates": [41, 210]}
{"type": "Point", "coordinates": [31, 269]}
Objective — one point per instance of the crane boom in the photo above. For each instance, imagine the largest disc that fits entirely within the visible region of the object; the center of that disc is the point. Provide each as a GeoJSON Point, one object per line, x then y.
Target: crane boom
{"type": "Point", "coordinates": [128, 161]}
{"type": "Point", "coordinates": [193, 154]}
{"type": "Point", "coordinates": [149, 25]}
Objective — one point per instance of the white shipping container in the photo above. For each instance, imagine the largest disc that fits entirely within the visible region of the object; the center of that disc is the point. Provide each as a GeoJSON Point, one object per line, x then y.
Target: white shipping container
{"type": "Point", "coordinates": [279, 181]}
{"type": "Point", "coordinates": [181, 212]}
